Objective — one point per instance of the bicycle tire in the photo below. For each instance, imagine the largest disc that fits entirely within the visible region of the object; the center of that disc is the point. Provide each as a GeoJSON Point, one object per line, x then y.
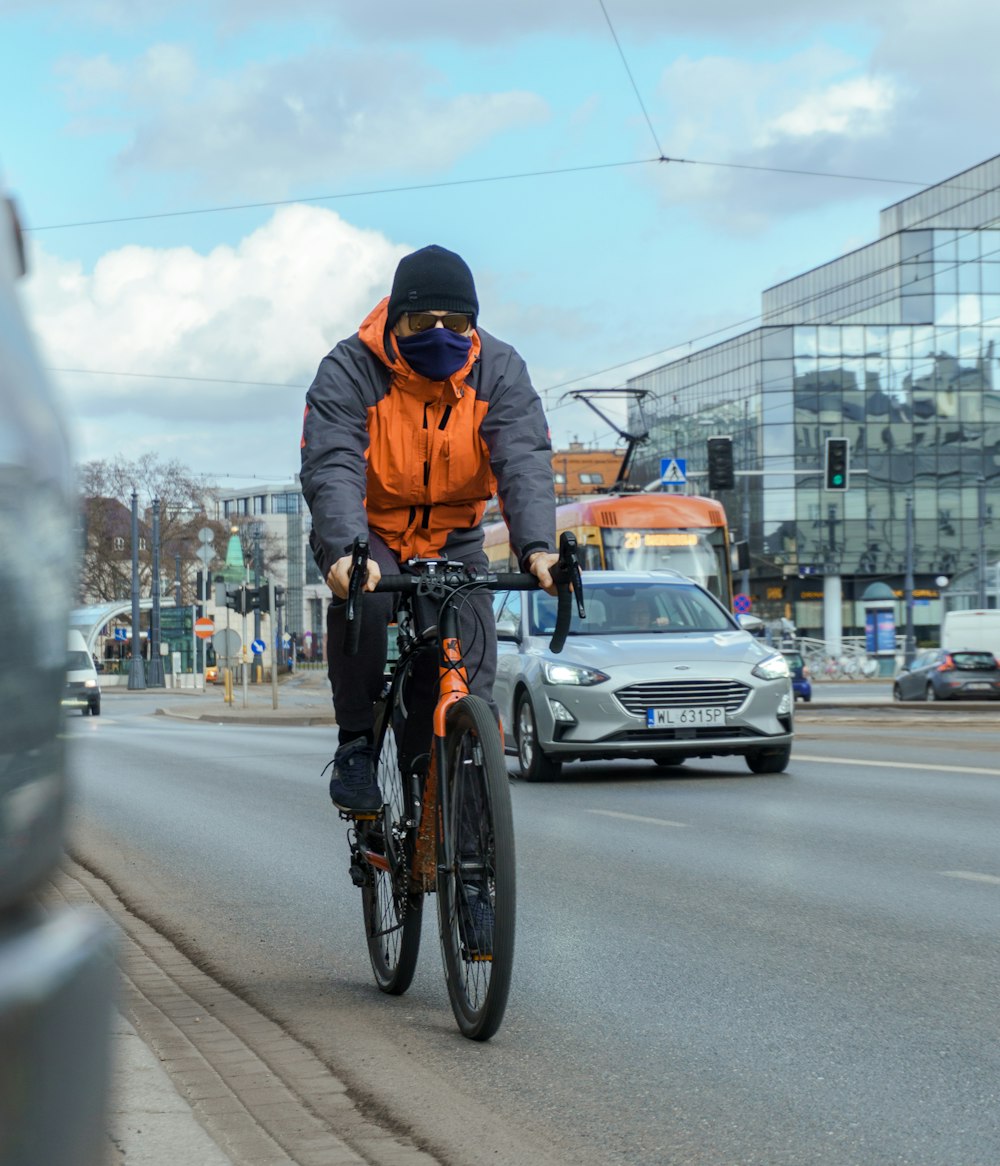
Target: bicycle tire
{"type": "Point", "coordinates": [478, 981]}
{"type": "Point", "coordinates": [392, 912]}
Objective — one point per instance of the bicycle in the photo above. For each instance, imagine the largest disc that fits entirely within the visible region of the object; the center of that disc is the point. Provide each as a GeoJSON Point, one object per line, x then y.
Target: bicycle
{"type": "Point", "coordinates": [445, 824]}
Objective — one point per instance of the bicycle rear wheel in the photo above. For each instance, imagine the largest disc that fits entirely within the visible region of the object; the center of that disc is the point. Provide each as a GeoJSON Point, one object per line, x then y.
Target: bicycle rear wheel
{"type": "Point", "coordinates": [392, 912]}
{"type": "Point", "coordinates": [476, 905]}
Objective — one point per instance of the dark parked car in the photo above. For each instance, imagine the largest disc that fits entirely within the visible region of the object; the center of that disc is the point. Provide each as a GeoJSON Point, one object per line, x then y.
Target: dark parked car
{"type": "Point", "coordinates": [57, 972]}
{"type": "Point", "coordinates": [937, 674]}
{"type": "Point", "coordinates": [801, 684]}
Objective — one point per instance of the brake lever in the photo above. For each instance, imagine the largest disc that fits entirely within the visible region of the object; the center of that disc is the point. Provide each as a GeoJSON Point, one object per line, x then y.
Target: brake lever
{"type": "Point", "coordinates": [569, 562]}
{"type": "Point", "coordinates": [355, 586]}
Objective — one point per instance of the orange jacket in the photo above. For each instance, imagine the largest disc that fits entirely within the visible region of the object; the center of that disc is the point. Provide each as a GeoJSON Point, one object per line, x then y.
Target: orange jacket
{"type": "Point", "coordinates": [417, 460]}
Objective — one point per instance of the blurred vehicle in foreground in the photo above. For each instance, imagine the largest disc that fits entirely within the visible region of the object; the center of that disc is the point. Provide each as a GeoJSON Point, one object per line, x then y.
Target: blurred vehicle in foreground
{"type": "Point", "coordinates": [938, 674]}
{"type": "Point", "coordinates": [658, 670]}
{"type": "Point", "coordinates": [57, 974]}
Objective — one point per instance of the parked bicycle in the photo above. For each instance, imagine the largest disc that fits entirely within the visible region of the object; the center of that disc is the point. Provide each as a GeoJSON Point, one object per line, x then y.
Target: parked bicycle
{"type": "Point", "coordinates": [445, 824]}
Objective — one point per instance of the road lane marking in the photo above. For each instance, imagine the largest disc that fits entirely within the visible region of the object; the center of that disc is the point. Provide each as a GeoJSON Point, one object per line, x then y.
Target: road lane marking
{"type": "Point", "coordinates": [639, 818]}
{"type": "Point", "coordinates": [972, 876]}
{"type": "Point", "coordinates": [896, 764]}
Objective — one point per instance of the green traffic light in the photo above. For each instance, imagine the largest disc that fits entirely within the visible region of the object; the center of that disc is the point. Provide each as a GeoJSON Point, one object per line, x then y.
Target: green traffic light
{"type": "Point", "coordinates": [838, 479]}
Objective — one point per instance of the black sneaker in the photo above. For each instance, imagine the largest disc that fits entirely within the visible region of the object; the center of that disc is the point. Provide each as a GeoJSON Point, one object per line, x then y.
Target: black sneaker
{"type": "Point", "coordinates": [475, 922]}
{"type": "Point", "coordinates": [353, 787]}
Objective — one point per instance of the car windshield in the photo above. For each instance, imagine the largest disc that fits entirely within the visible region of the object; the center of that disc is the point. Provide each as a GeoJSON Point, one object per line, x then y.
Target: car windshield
{"type": "Point", "coordinates": [76, 661]}
{"type": "Point", "coordinates": [615, 609]}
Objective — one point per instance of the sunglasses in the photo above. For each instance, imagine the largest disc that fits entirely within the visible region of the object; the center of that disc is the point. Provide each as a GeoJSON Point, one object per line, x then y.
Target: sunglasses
{"type": "Point", "coordinates": [424, 321]}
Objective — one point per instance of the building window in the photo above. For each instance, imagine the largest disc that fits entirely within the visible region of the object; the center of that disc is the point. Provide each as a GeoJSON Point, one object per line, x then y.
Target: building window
{"type": "Point", "coordinates": [142, 543]}
{"type": "Point", "coordinates": [260, 504]}
{"type": "Point", "coordinates": [119, 543]}
{"type": "Point", "coordinates": [286, 503]}
{"type": "Point", "coordinates": [592, 479]}
{"type": "Point", "coordinates": [227, 509]}
{"type": "Point", "coordinates": [244, 506]}
{"type": "Point", "coordinates": [560, 479]}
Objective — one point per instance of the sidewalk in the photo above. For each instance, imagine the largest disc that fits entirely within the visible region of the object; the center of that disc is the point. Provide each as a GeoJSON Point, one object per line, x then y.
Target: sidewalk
{"type": "Point", "coordinates": [303, 699]}
{"type": "Point", "coordinates": [149, 1123]}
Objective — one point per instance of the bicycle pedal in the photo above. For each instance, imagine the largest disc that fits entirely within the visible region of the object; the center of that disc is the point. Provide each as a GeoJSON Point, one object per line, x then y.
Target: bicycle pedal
{"type": "Point", "coordinates": [357, 875]}
{"type": "Point", "coordinates": [355, 816]}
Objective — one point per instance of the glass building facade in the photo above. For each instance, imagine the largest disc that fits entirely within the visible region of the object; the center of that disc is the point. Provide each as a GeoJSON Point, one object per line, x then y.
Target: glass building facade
{"type": "Point", "coordinates": [893, 346]}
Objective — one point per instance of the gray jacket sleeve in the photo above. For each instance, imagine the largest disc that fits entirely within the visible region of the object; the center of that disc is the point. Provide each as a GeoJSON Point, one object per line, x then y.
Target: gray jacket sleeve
{"type": "Point", "coordinates": [517, 436]}
{"type": "Point", "coordinates": [334, 442]}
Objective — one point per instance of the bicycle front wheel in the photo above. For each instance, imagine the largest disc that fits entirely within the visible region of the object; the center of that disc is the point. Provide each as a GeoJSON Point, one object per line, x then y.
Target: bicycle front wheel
{"type": "Point", "coordinates": [392, 913]}
{"type": "Point", "coordinates": [476, 883]}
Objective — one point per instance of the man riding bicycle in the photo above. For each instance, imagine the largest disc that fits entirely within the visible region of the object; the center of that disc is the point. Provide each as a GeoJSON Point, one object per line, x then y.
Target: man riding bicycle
{"type": "Point", "coordinates": [411, 426]}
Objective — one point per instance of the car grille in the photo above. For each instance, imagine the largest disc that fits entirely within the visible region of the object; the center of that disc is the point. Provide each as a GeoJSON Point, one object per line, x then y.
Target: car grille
{"type": "Point", "coordinates": [664, 694]}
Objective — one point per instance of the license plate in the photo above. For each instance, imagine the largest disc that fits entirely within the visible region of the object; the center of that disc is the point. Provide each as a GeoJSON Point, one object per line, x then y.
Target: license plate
{"type": "Point", "coordinates": [676, 718]}
{"type": "Point", "coordinates": [979, 685]}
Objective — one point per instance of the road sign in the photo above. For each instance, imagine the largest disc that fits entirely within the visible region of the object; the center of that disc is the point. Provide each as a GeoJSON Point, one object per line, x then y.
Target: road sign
{"type": "Point", "coordinates": [206, 554]}
{"type": "Point", "coordinates": [673, 470]}
{"type": "Point", "coordinates": [257, 647]}
{"type": "Point", "coordinates": [741, 604]}
{"type": "Point", "coordinates": [206, 535]}
{"type": "Point", "coordinates": [227, 643]}
{"type": "Point", "coordinates": [204, 628]}
{"type": "Point", "coordinates": [122, 634]}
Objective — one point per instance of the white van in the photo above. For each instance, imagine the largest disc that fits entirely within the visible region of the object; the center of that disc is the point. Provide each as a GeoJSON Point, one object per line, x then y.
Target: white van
{"type": "Point", "coordinates": [977, 630]}
{"type": "Point", "coordinates": [83, 691]}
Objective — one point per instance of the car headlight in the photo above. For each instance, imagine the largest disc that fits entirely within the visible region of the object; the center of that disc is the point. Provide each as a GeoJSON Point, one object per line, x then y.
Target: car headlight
{"type": "Point", "coordinates": [773, 668]}
{"type": "Point", "coordinates": [572, 674]}
{"type": "Point", "coordinates": [90, 684]}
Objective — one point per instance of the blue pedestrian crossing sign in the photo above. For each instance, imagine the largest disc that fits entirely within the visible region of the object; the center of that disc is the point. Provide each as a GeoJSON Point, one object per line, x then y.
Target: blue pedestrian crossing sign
{"type": "Point", "coordinates": [258, 647]}
{"type": "Point", "coordinates": [673, 471]}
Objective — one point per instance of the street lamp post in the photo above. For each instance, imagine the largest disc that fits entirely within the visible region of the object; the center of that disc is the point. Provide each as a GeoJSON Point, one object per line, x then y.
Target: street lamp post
{"type": "Point", "coordinates": [155, 679]}
{"type": "Point", "coordinates": [909, 644]}
{"type": "Point", "coordinates": [136, 671]}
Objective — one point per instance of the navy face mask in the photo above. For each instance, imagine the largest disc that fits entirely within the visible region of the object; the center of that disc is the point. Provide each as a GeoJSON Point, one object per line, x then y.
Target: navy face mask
{"type": "Point", "coordinates": [436, 353]}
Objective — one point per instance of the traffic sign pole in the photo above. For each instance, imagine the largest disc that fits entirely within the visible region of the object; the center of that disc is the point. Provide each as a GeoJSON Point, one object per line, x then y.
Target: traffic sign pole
{"type": "Point", "coordinates": [275, 651]}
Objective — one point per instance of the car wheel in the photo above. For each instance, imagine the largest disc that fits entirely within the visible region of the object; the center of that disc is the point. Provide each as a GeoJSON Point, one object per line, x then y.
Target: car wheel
{"type": "Point", "coordinates": [770, 760]}
{"type": "Point", "coordinates": [808, 698]}
{"type": "Point", "coordinates": [535, 765]}
{"type": "Point", "coordinates": [897, 692]}
{"type": "Point", "coordinates": [95, 709]}
{"type": "Point", "coordinates": [930, 694]}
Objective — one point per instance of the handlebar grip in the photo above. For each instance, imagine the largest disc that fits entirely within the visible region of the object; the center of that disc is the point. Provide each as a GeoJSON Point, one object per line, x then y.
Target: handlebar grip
{"type": "Point", "coordinates": [564, 613]}
{"type": "Point", "coordinates": [355, 591]}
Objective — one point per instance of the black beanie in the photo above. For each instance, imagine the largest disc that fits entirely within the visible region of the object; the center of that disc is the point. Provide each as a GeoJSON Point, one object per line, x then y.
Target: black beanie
{"type": "Point", "coordinates": [432, 278]}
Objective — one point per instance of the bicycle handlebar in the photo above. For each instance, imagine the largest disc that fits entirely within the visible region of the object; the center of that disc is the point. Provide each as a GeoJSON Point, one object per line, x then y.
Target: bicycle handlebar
{"type": "Point", "coordinates": [565, 573]}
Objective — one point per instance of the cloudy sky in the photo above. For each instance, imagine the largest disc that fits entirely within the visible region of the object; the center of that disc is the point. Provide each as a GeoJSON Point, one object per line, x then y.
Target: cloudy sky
{"type": "Point", "coordinates": [218, 192]}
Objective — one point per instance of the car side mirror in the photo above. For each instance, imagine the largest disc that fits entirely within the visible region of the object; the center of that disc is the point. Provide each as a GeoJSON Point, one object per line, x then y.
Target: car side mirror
{"type": "Point", "coordinates": [507, 627]}
{"type": "Point", "coordinates": [750, 623]}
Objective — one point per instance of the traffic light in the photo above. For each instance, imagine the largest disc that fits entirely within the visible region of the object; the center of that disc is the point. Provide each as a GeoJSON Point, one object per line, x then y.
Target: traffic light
{"type": "Point", "coordinates": [720, 463]}
{"type": "Point", "coordinates": [837, 464]}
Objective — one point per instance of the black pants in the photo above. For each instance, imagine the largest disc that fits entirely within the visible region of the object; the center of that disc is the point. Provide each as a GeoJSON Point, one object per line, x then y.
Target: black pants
{"type": "Point", "coordinates": [357, 681]}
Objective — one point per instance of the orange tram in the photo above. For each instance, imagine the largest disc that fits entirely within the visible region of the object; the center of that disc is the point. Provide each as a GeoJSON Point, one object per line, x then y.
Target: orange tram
{"type": "Point", "coordinates": [642, 532]}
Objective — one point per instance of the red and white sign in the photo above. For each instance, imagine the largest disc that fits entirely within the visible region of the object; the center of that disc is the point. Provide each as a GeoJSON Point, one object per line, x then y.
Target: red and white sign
{"type": "Point", "coordinates": [204, 628]}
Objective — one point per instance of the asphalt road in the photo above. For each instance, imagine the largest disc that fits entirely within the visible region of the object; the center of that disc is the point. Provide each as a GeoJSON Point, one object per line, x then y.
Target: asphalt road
{"type": "Point", "coordinates": [712, 968]}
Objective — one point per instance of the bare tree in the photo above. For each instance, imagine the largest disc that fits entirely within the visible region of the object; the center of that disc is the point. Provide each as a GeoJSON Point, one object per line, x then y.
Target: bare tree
{"type": "Point", "coordinates": [106, 489]}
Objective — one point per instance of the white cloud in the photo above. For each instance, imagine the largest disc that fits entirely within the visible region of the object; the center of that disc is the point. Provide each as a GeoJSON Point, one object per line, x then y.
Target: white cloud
{"type": "Point", "coordinates": [268, 127]}
{"type": "Point", "coordinates": [266, 310]}
{"type": "Point", "coordinates": [860, 107]}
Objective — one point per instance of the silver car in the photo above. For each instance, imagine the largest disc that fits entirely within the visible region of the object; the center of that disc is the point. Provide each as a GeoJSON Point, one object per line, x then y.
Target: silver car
{"type": "Point", "coordinates": [658, 670]}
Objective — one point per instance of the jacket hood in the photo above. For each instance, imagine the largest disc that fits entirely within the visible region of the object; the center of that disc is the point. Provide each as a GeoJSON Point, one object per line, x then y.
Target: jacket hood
{"type": "Point", "coordinates": [375, 337]}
